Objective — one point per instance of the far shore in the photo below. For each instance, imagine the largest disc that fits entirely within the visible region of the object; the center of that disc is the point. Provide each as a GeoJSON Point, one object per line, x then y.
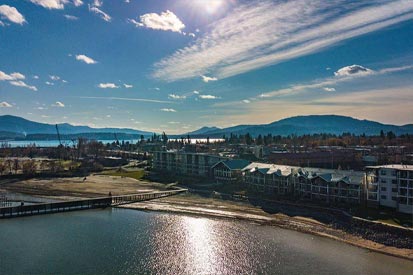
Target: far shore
{"type": "Point", "coordinates": [299, 219]}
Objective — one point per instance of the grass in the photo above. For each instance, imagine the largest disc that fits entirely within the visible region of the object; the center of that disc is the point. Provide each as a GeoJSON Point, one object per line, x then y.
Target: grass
{"type": "Point", "coordinates": [137, 175]}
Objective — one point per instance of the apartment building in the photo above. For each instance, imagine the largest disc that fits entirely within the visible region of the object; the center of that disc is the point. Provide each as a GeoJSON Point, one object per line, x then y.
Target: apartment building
{"type": "Point", "coordinates": [324, 185]}
{"type": "Point", "coordinates": [229, 171]}
{"type": "Point", "coordinates": [330, 186]}
{"type": "Point", "coordinates": [269, 178]}
{"type": "Point", "coordinates": [185, 163]}
{"type": "Point", "coordinates": [391, 186]}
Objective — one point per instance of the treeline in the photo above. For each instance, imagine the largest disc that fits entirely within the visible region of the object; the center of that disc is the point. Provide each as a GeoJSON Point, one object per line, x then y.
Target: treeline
{"type": "Point", "coordinates": [316, 140]}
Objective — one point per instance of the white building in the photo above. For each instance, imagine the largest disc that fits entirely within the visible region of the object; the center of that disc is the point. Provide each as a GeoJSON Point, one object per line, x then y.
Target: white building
{"type": "Point", "coordinates": [391, 186]}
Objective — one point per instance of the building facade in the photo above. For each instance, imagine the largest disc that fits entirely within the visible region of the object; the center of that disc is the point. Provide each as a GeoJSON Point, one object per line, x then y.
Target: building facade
{"type": "Point", "coordinates": [184, 163]}
{"type": "Point", "coordinates": [391, 186]}
{"type": "Point", "coordinates": [229, 171]}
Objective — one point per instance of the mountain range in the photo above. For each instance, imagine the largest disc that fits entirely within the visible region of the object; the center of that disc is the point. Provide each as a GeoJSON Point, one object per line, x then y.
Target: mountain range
{"type": "Point", "coordinates": [312, 124]}
{"type": "Point", "coordinates": [13, 127]}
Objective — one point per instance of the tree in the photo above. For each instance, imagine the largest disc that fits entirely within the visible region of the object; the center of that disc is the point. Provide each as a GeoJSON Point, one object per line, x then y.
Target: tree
{"type": "Point", "coordinates": [2, 168]}
{"type": "Point", "coordinates": [16, 165]}
{"type": "Point", "coordinates": [29, 167]}
{"type": "Point", "coordinates": [164, 138]}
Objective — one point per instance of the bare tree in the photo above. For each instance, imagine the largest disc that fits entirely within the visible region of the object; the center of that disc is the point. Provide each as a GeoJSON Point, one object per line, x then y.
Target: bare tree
{"type": "Point", "coordinates": [16, 165]}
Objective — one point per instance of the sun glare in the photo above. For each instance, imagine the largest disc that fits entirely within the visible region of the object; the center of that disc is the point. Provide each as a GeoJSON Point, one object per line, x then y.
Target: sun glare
{"type": "Point", "coordinates": [211, 6]}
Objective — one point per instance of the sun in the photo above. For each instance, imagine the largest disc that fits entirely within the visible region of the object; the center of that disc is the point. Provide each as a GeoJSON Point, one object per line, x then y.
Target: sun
{"type": "Point", "coordinates": [211, 6]}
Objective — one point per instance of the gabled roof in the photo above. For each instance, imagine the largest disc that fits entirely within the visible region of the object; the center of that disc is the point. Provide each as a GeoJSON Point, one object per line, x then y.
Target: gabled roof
{"type": "Point", "coordinates": [234, 164]}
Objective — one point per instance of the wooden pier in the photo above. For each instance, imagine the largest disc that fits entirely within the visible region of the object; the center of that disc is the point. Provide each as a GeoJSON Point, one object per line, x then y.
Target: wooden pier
{"type": "Point", "coordinates": [56, 207]}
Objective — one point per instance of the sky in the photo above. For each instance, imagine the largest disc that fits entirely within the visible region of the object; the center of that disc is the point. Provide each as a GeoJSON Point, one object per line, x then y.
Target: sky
{"type": "Point", "coordinates": [176, 66]}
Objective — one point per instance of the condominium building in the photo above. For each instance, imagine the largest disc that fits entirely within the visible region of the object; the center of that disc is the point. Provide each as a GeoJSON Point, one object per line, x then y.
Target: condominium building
{"type": "Point", "coordinates": [391, 186]}
{"type": "Point", "coordinates": [229, 171]}
{"type": "Point", "coordinates": [185, 163]}
{"type": "Point", "coordinates": [269, 178]}
{"type": "Point", "coordinates": [324, 185]}
{"type": "Point", "coordinates": [330, 186]}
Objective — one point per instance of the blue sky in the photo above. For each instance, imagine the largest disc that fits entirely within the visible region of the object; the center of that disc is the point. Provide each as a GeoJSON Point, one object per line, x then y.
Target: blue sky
{"type": "Point", "coordinates": [175, 66]}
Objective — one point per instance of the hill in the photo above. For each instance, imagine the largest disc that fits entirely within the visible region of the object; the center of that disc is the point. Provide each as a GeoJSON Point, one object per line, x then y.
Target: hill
{"type": "Point", "coordinates": [314, 124]}
{"type": "Point", "coordinates": [20, 126]}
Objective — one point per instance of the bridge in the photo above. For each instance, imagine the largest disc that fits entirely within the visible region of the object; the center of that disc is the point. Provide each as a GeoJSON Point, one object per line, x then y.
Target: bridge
{"type": "Point", "coordinates": [83, 204]}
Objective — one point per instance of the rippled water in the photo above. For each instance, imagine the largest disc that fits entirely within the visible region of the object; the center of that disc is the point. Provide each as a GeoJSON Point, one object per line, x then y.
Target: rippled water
{"type": "Point", "coordinates": [121, 241]}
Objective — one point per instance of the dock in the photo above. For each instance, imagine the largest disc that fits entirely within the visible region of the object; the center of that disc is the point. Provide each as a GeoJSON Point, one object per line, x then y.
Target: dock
{"type": "Point", "coordinates": [83, 204]}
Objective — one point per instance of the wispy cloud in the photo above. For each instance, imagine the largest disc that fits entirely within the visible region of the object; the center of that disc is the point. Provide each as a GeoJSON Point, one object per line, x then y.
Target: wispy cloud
{"type": "Point", "coordinates": [58, 104]}
{"type": "Point", "coordinates": [165, 21]}
{"type": "Point", "coordinates": [5, 104]}
{"type": "Point", "coordinates": [170, 110]}
{"type": "Point", "coordinates": [125, 99]}
{"type": "Point", "coordinates": [70, 17]}
{"type": "Point", "coordinates": [20, 83]}
{"type": "Point", "coordinates": [329, 89]}
{"type": "Point", "coordinates": [127, 86]}
{"type": "Point", "coordinates": [86, 59]}
{"type": "Point", "coordinates": [206, 79]}
{"type": "Point", "coordinates": [108, 86]}
{"type": "Point", "coordinates": [12, 76]}
{"type": "Point", "coordinates": [208, 97]}
{"type": "Point", "coordinates": [11, 14]}
{"type": "Point", "coordinates": [174, 96]}
{"type": "Point", "coordinates": [95, 9]}
{"type": "Point", "coordinates": [263, 33]}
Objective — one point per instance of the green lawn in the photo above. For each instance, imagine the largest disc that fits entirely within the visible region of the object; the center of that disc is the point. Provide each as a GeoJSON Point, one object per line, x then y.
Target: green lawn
{"type": "Point", "coordinates": [129, 174]}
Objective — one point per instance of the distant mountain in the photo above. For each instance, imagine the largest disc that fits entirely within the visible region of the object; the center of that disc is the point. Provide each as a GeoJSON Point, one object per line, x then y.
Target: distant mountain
{"type": "Point", "coordinates": [313, 124]}
{"type": "Point", "coordinates": [203, 130]}
{"type": "Point", "coordinates": [20, 126]}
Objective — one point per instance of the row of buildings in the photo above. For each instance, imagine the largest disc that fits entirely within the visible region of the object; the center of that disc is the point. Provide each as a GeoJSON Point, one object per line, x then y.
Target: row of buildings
{"type": "Point", "coordinates": [387, 185]}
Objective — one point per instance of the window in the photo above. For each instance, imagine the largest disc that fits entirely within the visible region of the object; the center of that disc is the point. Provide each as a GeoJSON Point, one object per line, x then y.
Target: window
{"type": "Point", "coordinates": [383, 181]}
{"type": "Point", "coordinates": [383, 197]}
{"type": "Point", "coordinates": [394, 181]}
{"type": "Point", "coordinates": [383, 172]}
{"type": "Point", "coordinates": [383, 188]}
{"type": "Point", "coordinates": [393, 173]}
{"type": "Point", "coordinates": [394, 190]}
{"type": "Point", "coordinates": [394, 198]}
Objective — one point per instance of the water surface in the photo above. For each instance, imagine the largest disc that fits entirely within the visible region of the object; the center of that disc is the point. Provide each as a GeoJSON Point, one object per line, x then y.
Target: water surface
{"type": "Point", "coordinates": [122, 241]}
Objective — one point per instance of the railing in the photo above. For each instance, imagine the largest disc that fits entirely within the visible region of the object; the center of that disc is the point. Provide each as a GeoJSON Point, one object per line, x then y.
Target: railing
{"type": "Point", "coordinates": [55, 207]}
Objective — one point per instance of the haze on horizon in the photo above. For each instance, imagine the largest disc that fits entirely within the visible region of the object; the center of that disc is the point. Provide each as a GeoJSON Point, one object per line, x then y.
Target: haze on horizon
{"type": "Point", "coordinates": [175, 66]}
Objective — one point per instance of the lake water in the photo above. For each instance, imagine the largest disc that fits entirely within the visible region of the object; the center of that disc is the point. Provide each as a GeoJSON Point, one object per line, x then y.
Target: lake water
{"type": "Point", "coordinates": [55, 143]}
{"type": "Point", "coordinates": [122, 241]}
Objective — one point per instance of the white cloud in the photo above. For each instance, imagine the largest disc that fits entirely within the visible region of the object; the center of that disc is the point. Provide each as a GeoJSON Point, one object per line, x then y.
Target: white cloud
{"type": "Point", "coordinates": [166, 21]}
{"type": "Point", "coordinates": [108, 86]}
{"type": "Point", "coordinates": [58, 104]}
{"type": "Point", "coordinates": [168, 110]}
{"type": "Point", "coordinates": [54, 77]}
{"type": "Point", "coordinates": [328, 89]}
{"type": "Point", "coordinates": [246, 101]}
{"type": "Point", "coordinates": [191, 34]}
{"type": "Point", "coordinates": [196, 92]}
{"type": "Point", "coordinates": [208, 97]}
{"type": "Point", "coordinates": [20, 83]}
{"type": "Point", "coordinates": [174, 96]}
{"type": "Point", "coordinates": [128, 86]}
{"type": "Point", "coordinates": [353, 70]}
{"type": "Point", "coordinates": [77, 3]}
{"type": "Point", "coordinates": [4, 104]}
{"type": "Point", "coordinates": [36, 77]}
{"type": "Point", "coordinates": [49, 83]}
{"type": "Point", "coordinates": [70, 17]}
{"type": "Point", "coordinates": [86, 59]}
{"type": "Point", "coordinates": [97, 3]}
{"type": "Point", "coordinates": [12, 76]}
{"type": "Point", "coordinates": [263, 33]}
{"type": "Point", "coordinates": [208, 78]}
{"type": "Point", "coordinates": [101, 13]}
{"type": "Point", "coordinates": [51, 4]}
{"type": "Point", "coordinates": [11, 14]}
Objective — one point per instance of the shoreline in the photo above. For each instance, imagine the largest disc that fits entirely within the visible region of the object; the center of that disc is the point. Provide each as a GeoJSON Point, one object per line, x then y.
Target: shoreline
{"type": "Point", "coordinates": [296, 223]}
